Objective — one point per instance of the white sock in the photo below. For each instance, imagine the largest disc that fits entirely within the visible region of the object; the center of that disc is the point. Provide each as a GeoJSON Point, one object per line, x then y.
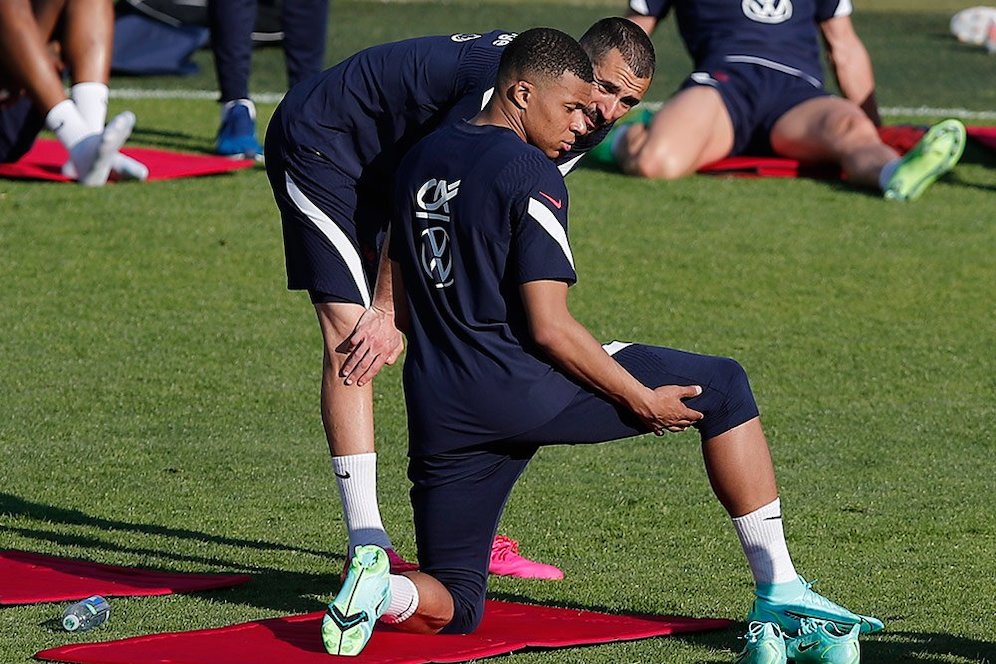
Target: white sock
{"type": "Point", "coordinates": [763, 540]}
{"type": "Point", "coordinates": [248, 103]}
{"type": "Point", "coordinates": [404, 600]}
{"type": "Point", "coordinates": [91, 99]}
{"type": "Point", "coordinates": [68, 124]}
{"type": "Point", "coordinates": [356, 475]}
{"type": "Point", "coordinates": [887, 172]}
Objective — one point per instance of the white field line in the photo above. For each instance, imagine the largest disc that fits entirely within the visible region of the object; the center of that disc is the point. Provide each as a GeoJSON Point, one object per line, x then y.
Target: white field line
{"type": "Point", "coordinates": [274, 97]}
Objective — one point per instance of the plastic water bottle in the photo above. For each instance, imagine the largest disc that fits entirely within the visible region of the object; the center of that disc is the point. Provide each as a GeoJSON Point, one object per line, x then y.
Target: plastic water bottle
{"type": "Point", "coordinates": [86, 614]}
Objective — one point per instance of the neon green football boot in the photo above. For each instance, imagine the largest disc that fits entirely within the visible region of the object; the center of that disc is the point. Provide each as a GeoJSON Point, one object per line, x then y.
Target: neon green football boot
{"type": "Point", "coordinates": [821, 642]}
{"type": "Point", "coordinates": [765, 645]}
{"type": "Point", "coordinates": [364, 596]}
{"type": "Point", "coordinates": [602, 153]}
{"type": "Point", "coordinates": [933, 156]}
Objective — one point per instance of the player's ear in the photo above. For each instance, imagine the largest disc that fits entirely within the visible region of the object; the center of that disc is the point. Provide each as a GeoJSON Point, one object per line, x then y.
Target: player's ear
{"type": "Point", "coordinates": [520, 93]}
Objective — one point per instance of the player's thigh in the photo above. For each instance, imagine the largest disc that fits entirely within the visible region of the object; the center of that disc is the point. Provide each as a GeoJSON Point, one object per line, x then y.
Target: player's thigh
{"type": "Point", "coordinates": [322, 250]}
{"type": "Point", "coordinates": [726, 400]}
{"type": "Point", "coordinates": [692, 129]}
{"type": "Point", "coordinates": [822, 128]}
{"type": "Point", "coordinates": [457, 499]}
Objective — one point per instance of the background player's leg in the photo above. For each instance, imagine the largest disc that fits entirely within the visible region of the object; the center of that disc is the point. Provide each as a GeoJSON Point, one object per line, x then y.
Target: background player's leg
{"type": "Point", "coordinates": [231, 23]}
{"type": "Point", "coordinates": [691, 130]}
{"type": "Point", "coordinates": [831, 129]}
{"type": "Point", "coordinates": [305, 24]}
{"type": "Point", "coordinates": [87, 40]}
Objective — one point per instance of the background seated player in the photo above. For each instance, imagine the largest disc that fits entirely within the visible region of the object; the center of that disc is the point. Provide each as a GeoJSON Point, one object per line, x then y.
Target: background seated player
{"type": "Point", "coordinates": [332, 150]}
{"type": "Point", "coordinates": [84, 32]}
{"type": "Point", "coordinates": [757, 88]}
{"type": "Point", "coordinates": [497, 367]}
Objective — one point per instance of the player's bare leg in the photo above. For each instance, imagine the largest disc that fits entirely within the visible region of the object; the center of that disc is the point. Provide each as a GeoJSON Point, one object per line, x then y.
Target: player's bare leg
{"type": "Point", "coordinates": [835, 130]}
{"type": "Point", "coordinates": [347, 414]}
{"type": "Point", "coordinates": [691, 130]}
{"type": "Point", "coordinates": [740, 470]}
{"type": "Point", "coordinates": [742, 476]}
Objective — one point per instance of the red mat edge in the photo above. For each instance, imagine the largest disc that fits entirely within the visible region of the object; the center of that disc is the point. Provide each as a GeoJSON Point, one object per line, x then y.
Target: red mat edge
{"type": "Point", "coordinates": [64, 653]}
{"type": "Point", "coordinates": [210, 580]}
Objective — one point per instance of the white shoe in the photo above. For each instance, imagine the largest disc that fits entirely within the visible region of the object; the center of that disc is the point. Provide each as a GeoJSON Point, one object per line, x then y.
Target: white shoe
{"type": "Point", "coordinates": [122, 165]}
{"type": "Point", "coordinates": [972, 25]}
{"type": "Point", "coordinates": [93, 156]}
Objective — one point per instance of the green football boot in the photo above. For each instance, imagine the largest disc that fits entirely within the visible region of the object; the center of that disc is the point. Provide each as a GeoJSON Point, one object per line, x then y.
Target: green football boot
{"type": "Point", "coordinates": [821, 642]}
{"type": "Point", "coordinates": [765, 645]}
{"type": "Point", "coordinates": [364, 596]}
{"type": "Point", "coordinates": [933, 156]}
{"type": "Point", "coordinates": [788, 612]}
{"type": "Point", "coordinates": [602, 153]}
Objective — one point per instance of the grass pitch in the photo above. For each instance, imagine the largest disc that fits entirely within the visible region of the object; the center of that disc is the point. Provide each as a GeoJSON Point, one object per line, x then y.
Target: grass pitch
{"type": "Point", "coordinates": [158, 397]}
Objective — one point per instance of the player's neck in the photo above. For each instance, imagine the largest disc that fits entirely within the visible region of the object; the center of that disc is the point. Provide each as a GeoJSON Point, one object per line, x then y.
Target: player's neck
{"type": "Point", "coordinates": [507, 116]}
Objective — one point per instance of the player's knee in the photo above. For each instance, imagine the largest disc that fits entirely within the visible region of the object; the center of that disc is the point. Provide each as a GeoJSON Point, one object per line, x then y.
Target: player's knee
{"type": "Point", "coordinates": [467, 615]}
{"type": "Point", "coordinates": [853, 128]}
{"type": "Point", "coordinates": [661, 164]}
{"type": "Point", "coordinates": [467, 591]}
{"type": "Point", "coordinates": [733, 378]}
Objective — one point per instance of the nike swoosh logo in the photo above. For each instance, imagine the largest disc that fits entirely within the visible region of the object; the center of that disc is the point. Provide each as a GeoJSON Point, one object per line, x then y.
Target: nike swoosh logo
{"type": "Point", "coordinates": [808, 646]}
{"type": "Point", "coordinates": [556, 203]}
{"type": "Point", "coordinates": [772, 518]}
{"type": "Point", "coordinates": [344, 622]}
{"type": "Point", "coordinates": [344, 476]}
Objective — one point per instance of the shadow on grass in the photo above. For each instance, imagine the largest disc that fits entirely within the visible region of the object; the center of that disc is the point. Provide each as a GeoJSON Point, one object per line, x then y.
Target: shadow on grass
{"type": "Point", "coordinates": [271, 588]}
{"type": "Point", "coordinates": [16, 506]}
{"type": "Point", "coordinates": [172, 140]}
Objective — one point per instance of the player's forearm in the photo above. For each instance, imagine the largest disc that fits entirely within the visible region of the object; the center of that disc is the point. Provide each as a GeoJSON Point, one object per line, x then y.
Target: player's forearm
{"type": "Point", "coordinates": [577, 353]}
{"type": "Point", "coordinates": [857, 82]}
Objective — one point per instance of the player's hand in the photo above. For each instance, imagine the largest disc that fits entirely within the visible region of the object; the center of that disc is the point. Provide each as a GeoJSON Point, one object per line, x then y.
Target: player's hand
{"type": "Point", "coordinates": [375, 341]}
{"type": "Point", "coordinates": [668, 409]}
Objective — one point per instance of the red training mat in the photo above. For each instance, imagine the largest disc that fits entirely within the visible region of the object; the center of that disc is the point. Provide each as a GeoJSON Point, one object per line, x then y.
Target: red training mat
{"type": "Point", "coordinates": [297, 639]}
{"type": "Point", "coordinates": [45, 159]}
{"type": "Point", "coordinates": [29, 578]}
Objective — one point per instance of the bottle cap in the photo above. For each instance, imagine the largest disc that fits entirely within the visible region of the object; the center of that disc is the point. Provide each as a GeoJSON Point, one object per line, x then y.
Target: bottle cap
{"type": "Point", "coordinates": [71, 623]}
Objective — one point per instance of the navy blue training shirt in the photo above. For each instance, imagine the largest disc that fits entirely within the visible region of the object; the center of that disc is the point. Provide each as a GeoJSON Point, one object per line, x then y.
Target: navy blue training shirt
{"type": "Point", "coordinates": [478, 212]}
{"type": "Point", "coordinates": [782, 32]}
{"type": "Point", "coordinates": [366, 112]}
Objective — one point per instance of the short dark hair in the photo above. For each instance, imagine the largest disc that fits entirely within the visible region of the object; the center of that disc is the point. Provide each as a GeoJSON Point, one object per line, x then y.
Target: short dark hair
{"type": "Point", "coordinates": [619, 33]}
{"type": "Point", "coordinates": [547, 52]}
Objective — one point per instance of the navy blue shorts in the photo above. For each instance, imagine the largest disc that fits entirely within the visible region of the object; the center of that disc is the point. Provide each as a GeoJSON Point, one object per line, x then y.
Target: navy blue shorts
{"type": "Point", "coordinates": [755, 95]}
{"type": "Point", "coordinates": [329, 249]}
{"type": "Point", "coordinates": [19, 126]}
{"type": "Point", "coordinates": [458, 497]}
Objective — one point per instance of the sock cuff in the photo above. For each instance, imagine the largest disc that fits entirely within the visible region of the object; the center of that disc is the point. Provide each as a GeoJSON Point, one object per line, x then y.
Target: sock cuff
{"type": "Point", "coordinates": [67, 123]}
{"type": "Point", "coordinates": [89, 87]}
{"type": "Point", "coordinates": [769, 511]}
{"type": "Point", "coordinates": [404, 600]}
{"type": "Point", "coordinates": [354, 462]}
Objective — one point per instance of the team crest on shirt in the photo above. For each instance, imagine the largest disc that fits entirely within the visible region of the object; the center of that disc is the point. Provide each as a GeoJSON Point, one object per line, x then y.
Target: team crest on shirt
{"type": "Point", "coordinates": [767, 11]}
{"type": "Point", "coordinates": [433, 202]}
{"type": "Point", "coordinates": [464, 37]}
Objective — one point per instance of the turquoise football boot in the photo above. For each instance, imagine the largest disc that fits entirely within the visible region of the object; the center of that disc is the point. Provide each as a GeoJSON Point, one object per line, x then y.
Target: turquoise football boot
{"type": "Point", "coordinates": [788, 608]}
{"type": "Point", "coordinates": [765, 645]}
{"type": "Point", "coordinates": [821, 642]}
